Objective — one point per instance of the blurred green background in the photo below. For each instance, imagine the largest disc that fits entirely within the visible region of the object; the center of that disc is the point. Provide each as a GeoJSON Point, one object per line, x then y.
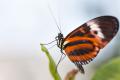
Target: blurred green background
{"type": "Point", "coordinates": [26, 23]}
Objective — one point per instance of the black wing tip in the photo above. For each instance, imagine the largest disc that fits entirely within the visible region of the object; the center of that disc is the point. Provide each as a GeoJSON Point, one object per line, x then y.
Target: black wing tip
{"type": "Point", "coordinates": [114, 20]}
{"type": "Point", "coordinates": [108, 16]}
{"type": "Point", "coordinates": [112, 17]}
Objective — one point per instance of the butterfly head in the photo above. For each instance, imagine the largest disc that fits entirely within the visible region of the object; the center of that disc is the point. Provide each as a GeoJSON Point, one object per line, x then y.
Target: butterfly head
{"type": "Point", "coordinates": [60, 36]}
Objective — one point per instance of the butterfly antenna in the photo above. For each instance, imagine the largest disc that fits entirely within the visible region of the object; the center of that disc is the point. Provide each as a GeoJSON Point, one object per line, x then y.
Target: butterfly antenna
{"type": "Point", "coordinates": [61, 58]}
{"type": "Point", "coordinates": [54, 18]}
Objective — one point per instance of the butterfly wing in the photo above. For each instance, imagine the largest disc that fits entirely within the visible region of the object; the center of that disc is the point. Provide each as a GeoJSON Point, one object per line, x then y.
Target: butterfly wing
{"type": "Point", "coordinates": [84, 43]}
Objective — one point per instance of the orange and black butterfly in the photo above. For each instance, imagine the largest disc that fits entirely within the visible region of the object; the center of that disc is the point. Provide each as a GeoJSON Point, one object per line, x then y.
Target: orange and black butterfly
{"type": "Point", "coordinates": [84, 43]}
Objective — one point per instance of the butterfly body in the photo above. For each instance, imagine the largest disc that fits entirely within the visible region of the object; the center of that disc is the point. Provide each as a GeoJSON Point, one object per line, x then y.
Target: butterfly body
{"type": "Point", "coordinates": [84, 43]}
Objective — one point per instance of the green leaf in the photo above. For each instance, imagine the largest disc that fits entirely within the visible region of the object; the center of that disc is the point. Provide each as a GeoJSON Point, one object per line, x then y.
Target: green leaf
{"type": "Point", "coordinates": [109, 71]}
{"type": "Point", "coordinates": [52, 65]}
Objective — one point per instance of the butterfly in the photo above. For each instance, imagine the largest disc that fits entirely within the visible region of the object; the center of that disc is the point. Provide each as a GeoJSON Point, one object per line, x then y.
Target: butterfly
{"type": "Point", "coordinates": [83, 44]}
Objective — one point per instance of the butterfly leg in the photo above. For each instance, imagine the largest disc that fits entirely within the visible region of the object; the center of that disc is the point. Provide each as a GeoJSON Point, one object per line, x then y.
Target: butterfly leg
{"type": "Point", "coordinates": [61, 58]}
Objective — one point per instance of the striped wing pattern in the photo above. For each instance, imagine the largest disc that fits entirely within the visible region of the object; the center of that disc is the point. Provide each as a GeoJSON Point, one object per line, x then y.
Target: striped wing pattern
{"type": "Point", "coordinates": [83, 44]}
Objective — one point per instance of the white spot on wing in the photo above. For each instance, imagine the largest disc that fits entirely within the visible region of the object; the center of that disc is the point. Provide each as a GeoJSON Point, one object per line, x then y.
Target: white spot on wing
{"type": "Point", "coordinates": [65, 43]}
{"type": "Point", "coordinates": [95, 27]}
